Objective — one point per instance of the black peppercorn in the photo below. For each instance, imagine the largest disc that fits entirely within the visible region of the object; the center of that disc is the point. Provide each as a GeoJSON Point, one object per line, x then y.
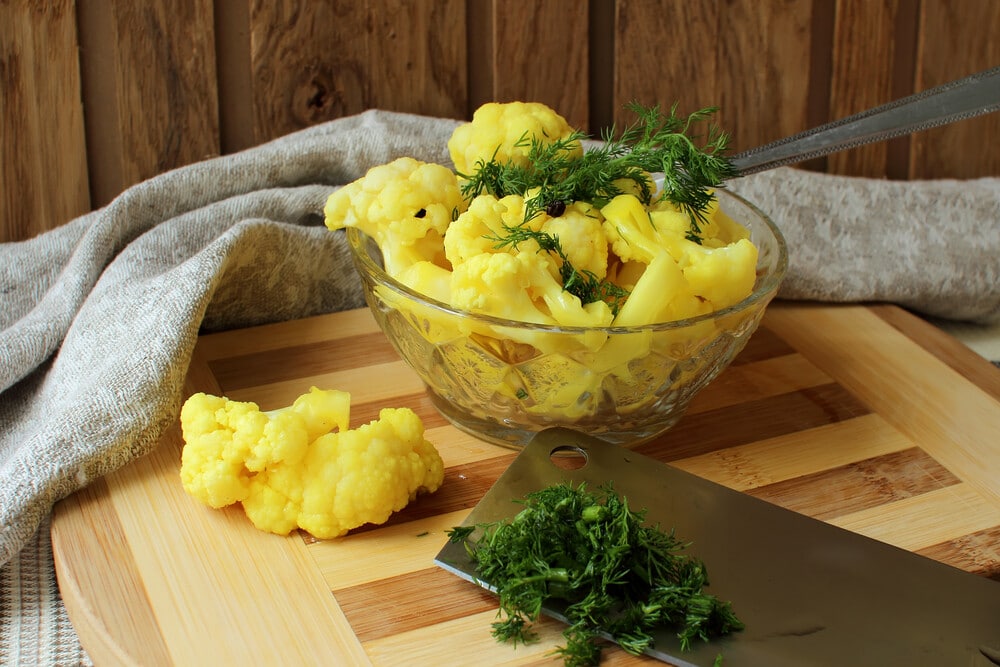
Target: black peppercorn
{"type": "Point", "coordinates": [556, 208]}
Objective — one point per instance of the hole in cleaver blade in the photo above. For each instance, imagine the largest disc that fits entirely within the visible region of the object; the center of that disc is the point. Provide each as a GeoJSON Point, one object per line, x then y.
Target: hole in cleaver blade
{"type": "Point", "coordinates": [809, 593]}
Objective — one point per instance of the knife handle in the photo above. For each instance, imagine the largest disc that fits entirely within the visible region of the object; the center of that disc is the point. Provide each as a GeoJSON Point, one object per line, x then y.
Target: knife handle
{"type": "Point", "coordinates": [959, 100]}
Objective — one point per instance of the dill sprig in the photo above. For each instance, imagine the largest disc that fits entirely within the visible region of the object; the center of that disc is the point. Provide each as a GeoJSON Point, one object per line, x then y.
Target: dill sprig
{"type": "Point", "coordinates": [658, 142]}
{"type": "Point", "coordinates": [595, 555]}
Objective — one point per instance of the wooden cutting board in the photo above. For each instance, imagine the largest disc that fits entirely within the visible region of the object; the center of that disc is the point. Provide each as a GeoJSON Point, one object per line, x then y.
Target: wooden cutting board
{"type": "Point", "coordinates": [865, 417]}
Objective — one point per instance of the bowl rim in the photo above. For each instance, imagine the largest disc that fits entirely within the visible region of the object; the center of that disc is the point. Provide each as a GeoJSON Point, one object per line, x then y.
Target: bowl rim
{"type": "Point", "coordinates": [363, 262]}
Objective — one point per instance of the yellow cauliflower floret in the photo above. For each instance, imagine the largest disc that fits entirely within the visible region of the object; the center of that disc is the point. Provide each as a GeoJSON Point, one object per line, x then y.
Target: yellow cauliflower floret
{"type": "Point", "coordinates": [581, 237]}
{"type": "Point", "coordinates": [476, 230]}
{"type": "Point", "coordinates": [405, 205]}
{"type": "Point", "coordinates": [521, 287]}
{"type": "Point", "coordinates": [503, 132]}
{"type": "Point", "coordinates": [376, 469]}
{"type": "Point", "coordinates": [496, 284]}
{"type": "Point", "coordinates": [289, 469]}
{"type": "Point", "coordinates": [682, 278]}
{"type": "Point", "coordinates": [429, 279]}
{"type": "Point", "coordinates": [724, 275]}
{"type": "Point", "coordinates": [629, 230]}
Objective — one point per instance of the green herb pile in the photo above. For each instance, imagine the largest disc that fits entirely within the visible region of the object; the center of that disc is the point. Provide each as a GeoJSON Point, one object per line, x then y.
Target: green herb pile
{"type": "Point", "coordinates": [593, 553]}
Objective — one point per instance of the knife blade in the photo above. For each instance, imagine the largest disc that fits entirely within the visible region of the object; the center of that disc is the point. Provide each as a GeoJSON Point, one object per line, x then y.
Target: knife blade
{"type": "Point", "coordinates": [810, 593]}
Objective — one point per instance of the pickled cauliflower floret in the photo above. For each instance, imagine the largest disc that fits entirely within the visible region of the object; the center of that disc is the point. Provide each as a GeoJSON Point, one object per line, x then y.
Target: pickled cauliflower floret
{"type": "Point", "coordinates": [405, 205]}
{"type": "Point", "coordinates": [608, 245]}
{"type": "Point", "coordinates": [682, 278]}
{"type": "Point", "coordinates": [581, 237]}
{"type": "Point", "coordinates": [723, 275]}
{"type": "Point", "coordinates": [502, 132]}
{"type": "Point", "coordinates": [300, 466]}
{"type": "Point", "coordinates": [521, 287]}
{"type": "Point", "coordinates": [476, 231]}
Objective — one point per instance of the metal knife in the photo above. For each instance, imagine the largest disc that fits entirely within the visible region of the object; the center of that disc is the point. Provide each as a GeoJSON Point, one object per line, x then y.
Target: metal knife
{"type": "Point", "coordinates": [962, 99]}
{"type": "Point", "coordinates": [810, 593]}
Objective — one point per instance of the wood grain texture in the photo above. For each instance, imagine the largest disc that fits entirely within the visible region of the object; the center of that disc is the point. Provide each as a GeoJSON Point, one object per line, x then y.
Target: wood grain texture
{"type": "Point", "coordinates": [115, 624]}
{"type": "Point", "coordinates": [309, 63]}
{"type": "Point", "coordinates": [163, 84]}
{"type": "Point", "coordinates": [838, 412]}
{"type": "Point", "coordinates": [956, 39]}
{"type": "Point", "coordinates": [751, 59]}
{"type": "Point", "coordinates": [763, 85]}
{"type": "Point", "coordinates": [43, 167]}
{"type": "Point", "coordinates": [417, 57]}
{"type": "Point", "coordinates": [540, 55]}
{"type": "Point", "coordinates": [865, 33]}
{"type": "Point", "coordinates": [150, 99]}
{"type": "Point", "coordinates": [665, 53]}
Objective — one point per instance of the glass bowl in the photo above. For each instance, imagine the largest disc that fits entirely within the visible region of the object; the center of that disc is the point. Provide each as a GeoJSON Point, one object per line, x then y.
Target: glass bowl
{"type": "Point", "coordinates": [503, 381]}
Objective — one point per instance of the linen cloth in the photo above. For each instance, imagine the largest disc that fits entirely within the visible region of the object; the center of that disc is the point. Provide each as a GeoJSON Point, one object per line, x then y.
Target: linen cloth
{"type": "Point", "coordinates": [98, 318]}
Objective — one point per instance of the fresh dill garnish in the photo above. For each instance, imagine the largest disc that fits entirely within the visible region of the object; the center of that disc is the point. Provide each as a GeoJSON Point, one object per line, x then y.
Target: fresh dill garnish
{"type": "Point", "coordinates": [613, 574]}
{"type": "Point", "coordinates": [658, 142]}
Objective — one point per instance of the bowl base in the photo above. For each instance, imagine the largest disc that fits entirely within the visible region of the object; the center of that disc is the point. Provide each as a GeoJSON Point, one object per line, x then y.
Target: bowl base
{"type": "Point", "coordinates": [516, 436]}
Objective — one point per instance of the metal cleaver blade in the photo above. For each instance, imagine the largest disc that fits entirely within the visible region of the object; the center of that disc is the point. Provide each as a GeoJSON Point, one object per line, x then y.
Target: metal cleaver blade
{"type": "Point", "coordinates": [809, 593]}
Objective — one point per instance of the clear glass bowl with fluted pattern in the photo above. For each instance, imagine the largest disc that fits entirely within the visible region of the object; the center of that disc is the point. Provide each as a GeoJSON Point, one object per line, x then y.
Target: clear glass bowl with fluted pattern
{"type": "Point", "coordinates": [503, 380]}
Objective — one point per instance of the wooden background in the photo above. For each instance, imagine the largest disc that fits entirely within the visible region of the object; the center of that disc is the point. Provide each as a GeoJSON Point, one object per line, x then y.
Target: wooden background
{"type": "Point", "coordinates": [97, 95]}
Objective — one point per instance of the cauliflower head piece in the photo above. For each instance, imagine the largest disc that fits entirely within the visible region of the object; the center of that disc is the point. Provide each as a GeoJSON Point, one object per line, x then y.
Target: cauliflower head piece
{"type": "Point", "coordinates": [503, 132]}
{"type": "Point", "coordinates": [522, 287]}
{"type": "Point", "coordinates": [581, 237]}
{"type": "Point", "coordinates": [477, 229]}
{"type": "Point", "coordinates": [301, 466]}
{"type": "Point", "coordinates": [405, 205]}
{"type": "Point", "coordinates": [676, 277]}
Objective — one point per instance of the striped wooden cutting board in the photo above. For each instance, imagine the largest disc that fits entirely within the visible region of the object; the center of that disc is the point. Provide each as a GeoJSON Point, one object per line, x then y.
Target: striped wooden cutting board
{"type": "Point", "coordinates": [865, 417]}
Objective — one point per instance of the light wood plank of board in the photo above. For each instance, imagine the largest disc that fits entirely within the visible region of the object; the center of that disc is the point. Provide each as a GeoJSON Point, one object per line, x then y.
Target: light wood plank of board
{"type": "Point", "coordinates": [444, 649]}
{"type": "Point", "coordinates": [927, 519]}
{"type": "Point", "coordinates": [166, 528]}
{"type": "Point", "coordinates": [366, 385]}
{"type": "Point", "coordinates": [310, 330]}
{"type": "Point", "coordinates": [797, 454]}
{"type": "Point", "coordinates": [917, 393]}
{"type": "Point", "coordinates": [792, 422]}
{"type": "Point", "coordinates": [366, 556]}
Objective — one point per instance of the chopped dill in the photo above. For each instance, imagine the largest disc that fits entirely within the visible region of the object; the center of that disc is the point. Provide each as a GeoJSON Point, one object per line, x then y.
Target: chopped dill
{"type": "Point", "coordinates": [594, 554]}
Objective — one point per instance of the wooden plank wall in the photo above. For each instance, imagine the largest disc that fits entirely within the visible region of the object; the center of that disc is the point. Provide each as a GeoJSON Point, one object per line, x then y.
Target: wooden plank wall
{"type": "Point", "coordinates": [100, 94]}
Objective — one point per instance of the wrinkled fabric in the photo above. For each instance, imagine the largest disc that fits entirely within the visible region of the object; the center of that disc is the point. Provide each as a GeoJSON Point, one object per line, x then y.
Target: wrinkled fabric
{"type": "Point", "coordinates": [929, 246]}
{"type": "Point", "coordinates": [98, 318]}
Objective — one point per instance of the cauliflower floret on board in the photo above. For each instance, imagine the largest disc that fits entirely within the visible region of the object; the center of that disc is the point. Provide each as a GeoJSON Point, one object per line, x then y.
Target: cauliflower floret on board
{"type": "Point", "coordinates": [367, 473]}
{"type": "Point", "coordinates": [290, 468]}
{"type": "Point", "coordinates": [503, 132]}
